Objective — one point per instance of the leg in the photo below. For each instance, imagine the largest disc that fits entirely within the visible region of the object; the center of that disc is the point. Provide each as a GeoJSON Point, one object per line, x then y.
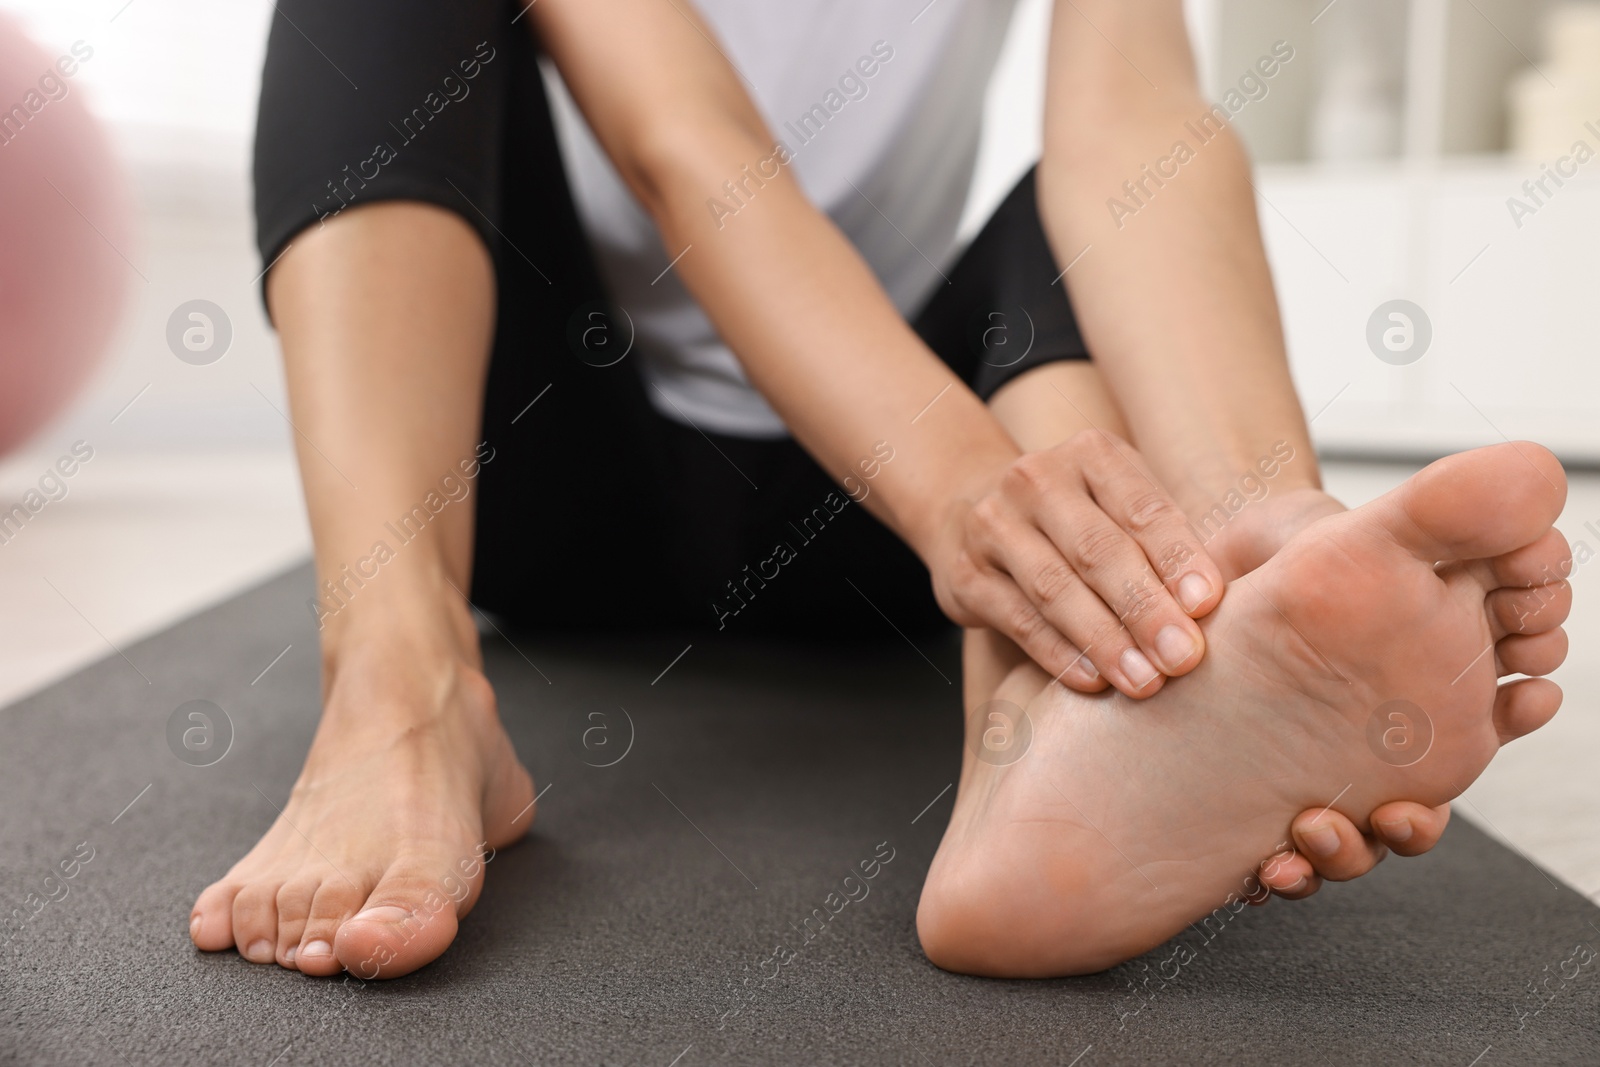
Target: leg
{"type": "Point", "coordinates": [1125, 822]}
{"type": "Point", "coordinates": [1051, 403]}
{"type": "Point", "coordinates": [386, 308]}
{"type": "Point", "coordinates": [384, 316]}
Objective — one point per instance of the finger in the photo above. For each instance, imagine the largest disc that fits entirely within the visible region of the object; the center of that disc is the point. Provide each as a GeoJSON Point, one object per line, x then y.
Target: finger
{"type": "Point", "coordinates": [1533, 654]}
{"type": "Point", "coordinates": [996, 596]}
{"type": "Point", "coordinates": [1107, 556]}
{"type": "Point", "coordinates": [1067, 605]}
{"type": "Point", "coordinates": [1409, 829]}
{"type": "Point", "coordinates": [1113, 565]}
{"type": "Point", "coordinates": [1534, 610]}
{"type": "Point", "coordinates": [1125, 487]}
{"type": "Point", "coordinates": [1522, 706]}
{"type": "Point", "coordinates": [1289, 875]}
{"type": "Point", "coordinates": [1337, 850]}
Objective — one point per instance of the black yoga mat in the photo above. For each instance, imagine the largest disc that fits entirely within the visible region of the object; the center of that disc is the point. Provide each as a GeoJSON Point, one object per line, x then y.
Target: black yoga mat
{"type": "Point", "coordinates": [641, 922]}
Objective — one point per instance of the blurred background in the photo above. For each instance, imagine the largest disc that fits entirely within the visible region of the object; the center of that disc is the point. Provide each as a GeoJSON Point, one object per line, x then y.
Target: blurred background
{"type": "Point", "coordinates": [1425, 152]}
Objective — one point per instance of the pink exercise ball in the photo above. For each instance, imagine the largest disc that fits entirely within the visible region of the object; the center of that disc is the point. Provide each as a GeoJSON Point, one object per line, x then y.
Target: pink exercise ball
{"type": "Point", "coordinates": [65, 225]}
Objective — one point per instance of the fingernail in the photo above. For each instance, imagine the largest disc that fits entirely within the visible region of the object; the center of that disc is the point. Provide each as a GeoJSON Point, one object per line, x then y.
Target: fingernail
{"type": "Point", "coordinates": [1086, 667]}
{"type": "Point", "coordinates": [288, 954]}
{"type": "Point", "coordinates": [1323, 840]}
{"type": "Point", "coordinates": [318, 948]}
{"type": "Point", "coordinates": [1193, 591]}
{"type": "Point", "coordinates": [385, 914]}
{"type": "Point", "coordinates": [1398, 830]}
{"type": "Point", "coordinates": [1175, 647]}
{"type": "Point", "coordinates": [195, 923]}
{"type": "Point", "coordinates": [260, 951]}
{"type": "Point", "coordinates": [1137, 668]}
{"type": "Point", "coordinates": [1299, 884]}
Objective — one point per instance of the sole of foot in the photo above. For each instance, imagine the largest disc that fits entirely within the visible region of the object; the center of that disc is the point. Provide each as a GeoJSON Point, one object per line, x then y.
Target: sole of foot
{"type": "Point", "coordinates": [1358, 666]}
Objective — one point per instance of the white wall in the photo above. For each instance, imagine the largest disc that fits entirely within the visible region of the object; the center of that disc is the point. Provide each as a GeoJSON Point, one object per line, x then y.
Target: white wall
{"type": "Point", "coordinates": [177, 79]}
{"type": "Point", "coordinates": [176, 82]}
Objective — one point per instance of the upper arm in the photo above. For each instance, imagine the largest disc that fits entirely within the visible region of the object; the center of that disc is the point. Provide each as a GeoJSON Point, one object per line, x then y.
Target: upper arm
{"type": "Point", "coordinates": [652, 82]}
{"type": "Point", "coordinates": [1114, 59]}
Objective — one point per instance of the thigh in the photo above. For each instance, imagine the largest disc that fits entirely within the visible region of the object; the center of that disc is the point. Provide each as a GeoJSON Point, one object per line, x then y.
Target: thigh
{"type": "Point", "coordinates": [767, 543]}
{"type": "Point", "coordinates": [571, 511]}
{"type": "Point", "coordinates": [443, 103]}
{"type": "Point", "coordinates": [1005, 310]}
{"type": "Point", "coordinates": [363, 101]}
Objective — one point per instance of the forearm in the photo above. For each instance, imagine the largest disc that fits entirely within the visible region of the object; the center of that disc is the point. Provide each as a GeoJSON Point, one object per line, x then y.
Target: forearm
{"type": "Point", "coordinates": [808, 321]}
{"type": "Point", "coordinates": [1173, 293]}
{"type": "Point", "coordinates": [822, 341]}
{"type": "Point", "coordinates": [384, 316]}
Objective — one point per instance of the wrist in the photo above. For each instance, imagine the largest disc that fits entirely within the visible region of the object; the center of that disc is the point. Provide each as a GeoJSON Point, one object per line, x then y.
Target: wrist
{"type": "Point", "coordinates": [937, 523]}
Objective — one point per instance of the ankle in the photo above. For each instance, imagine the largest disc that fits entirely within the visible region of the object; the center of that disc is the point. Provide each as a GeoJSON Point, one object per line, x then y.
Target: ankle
{"type": "Point", "coordinates": [426, 616]}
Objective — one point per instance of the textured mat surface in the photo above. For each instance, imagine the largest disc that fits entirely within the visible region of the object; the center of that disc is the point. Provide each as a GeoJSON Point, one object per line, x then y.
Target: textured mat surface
{"type": "Point", "coordinates": [639, 922]}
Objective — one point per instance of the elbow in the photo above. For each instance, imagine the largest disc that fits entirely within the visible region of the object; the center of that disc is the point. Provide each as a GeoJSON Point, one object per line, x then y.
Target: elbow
{"type": "Point", "coordinates": [671, 168]}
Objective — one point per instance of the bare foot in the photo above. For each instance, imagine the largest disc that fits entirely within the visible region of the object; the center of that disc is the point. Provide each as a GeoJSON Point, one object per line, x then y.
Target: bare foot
{"type": "Point", "coordinates": [1124, 822]}
{"type": "Point", "coordinates": [382, 844]}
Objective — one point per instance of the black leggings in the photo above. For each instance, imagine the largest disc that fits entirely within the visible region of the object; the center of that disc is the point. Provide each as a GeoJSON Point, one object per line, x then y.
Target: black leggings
{"type": "Point", "coordinates": [596, 511]}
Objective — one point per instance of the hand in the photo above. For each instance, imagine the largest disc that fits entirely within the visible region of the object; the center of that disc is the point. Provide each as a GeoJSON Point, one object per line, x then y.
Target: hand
{"type": "Point", "coordinates": [1078, 555]}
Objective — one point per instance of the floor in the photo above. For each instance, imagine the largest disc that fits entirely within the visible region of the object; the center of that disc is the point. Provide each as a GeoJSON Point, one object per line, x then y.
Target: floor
{"type": "Point", "coordinates": [140, 541]}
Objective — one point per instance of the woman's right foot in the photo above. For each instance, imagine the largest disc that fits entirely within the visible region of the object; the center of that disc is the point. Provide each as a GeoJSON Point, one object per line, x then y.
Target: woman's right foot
{"type": "Point", "coordinates": [1125, 821]}
{"type": "Point", "coordinates": [380, 849]}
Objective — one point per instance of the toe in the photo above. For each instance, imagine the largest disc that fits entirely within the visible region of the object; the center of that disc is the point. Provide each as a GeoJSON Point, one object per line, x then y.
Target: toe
{"type": "Point", "coordinates": [1333, 845]}
{"type": "Point", "coordinates": [1534, 610]}
{"type": "Point", "coordinates": [409, 920]}
{"type": "Point", "coordinates": [1531, 654]}
{"type": "Point", "coordinates": [211, 919]}
{"type": "Point", "coordinates": [1289, 875]}
{"type": "Point", "coordinates": [1479, 504]}
{"type": "Point", "coordinates": [1409, 829]}
{"type": "Point", "coordinates": [1545, 560]}
{"type": "Point", "coordinates": [1523, 706]}
{"type": "Point", "coordinates": [294, 906]}
{"type": "Point", "coordinates": [255, 922]}
{"type": "Point", "coordinates": [334, 901]}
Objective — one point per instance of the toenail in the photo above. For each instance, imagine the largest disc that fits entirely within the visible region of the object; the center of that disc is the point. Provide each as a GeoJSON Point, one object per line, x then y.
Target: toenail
{"type": "Point", "coordinates": [1299, 884]}
{"type": "Point", "coordinates": [259, 951]}
{"type": "Point", "coordinates": [1399, 830]}
{"type": "Point", "coordinates": [288, 954]}
{"type": "Point", "coordinates": [383, 914]}
{"type": "Point", "coordinates": [1174, 647]}
{"type": "Point", "coordinates": [1193, 591]}
{"type": "Point", "coordinates": [318, 948]}
{"type": "Point", "coordinates": [195, 925]}
{"type": "Point", "coordinates": [1323, 840]}
{"type": "Point", "coordinates": [1137, 668]}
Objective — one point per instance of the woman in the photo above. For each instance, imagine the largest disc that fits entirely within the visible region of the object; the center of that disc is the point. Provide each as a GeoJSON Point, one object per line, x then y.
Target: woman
{"type": "Point", "coordinates": [565, 395]}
